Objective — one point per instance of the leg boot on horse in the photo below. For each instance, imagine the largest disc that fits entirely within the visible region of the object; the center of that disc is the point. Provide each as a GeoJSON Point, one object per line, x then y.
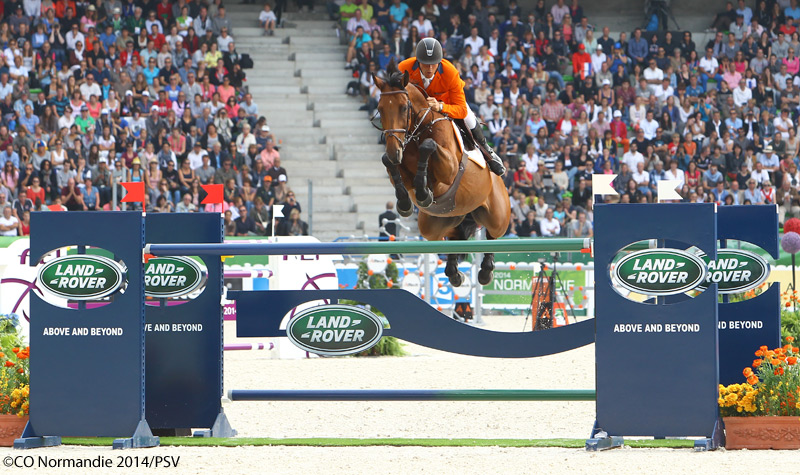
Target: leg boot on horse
{"type": "Point", "coordinates": [404, 205]}
{"type": "Point", "coordinates": [495, 164]}
{"type": "Point", "coordinates": [451, 271]}
{"type": "Point", "coordinates": [421, 191]}
{"type": "Point", "coordinates": [487, 269]}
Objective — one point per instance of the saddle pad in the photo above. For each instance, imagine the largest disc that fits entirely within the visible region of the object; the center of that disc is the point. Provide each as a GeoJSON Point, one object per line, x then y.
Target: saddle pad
{"type": "Point", "coordinates": [475, 155]}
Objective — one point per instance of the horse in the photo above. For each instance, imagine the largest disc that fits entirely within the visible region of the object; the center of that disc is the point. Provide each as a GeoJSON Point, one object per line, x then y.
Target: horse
{"type": "Point", "coordinates": [425, 163]}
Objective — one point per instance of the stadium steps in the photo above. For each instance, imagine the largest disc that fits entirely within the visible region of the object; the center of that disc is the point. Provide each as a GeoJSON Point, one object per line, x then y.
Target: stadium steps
{"type": "Point", "coordinates": [299, 83]}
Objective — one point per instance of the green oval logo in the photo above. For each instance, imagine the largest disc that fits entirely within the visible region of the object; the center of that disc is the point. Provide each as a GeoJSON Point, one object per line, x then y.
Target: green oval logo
{"type": "Point", "coordinates": [170, 277]}
{"type": "Point", "coordinates": [82, 277]}
{"type": "Point", "coordinates": [335, 330]}
{"type": "Point", "coordinates": [735, 271]}
{"type": "Point", "coordinates": [660, 271]}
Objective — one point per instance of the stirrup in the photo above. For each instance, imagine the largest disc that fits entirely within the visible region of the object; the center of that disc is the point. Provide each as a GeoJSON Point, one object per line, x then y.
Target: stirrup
{"type": "Point", "coordinates": [496, 165]}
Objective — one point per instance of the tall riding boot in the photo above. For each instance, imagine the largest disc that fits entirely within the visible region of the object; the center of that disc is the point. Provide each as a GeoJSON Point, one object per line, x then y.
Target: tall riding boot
{"type": "Point", "coordinates": [495, 164]}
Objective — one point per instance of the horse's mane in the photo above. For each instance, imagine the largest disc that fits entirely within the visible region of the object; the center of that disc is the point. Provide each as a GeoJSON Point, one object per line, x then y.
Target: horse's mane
{"type": "Point", "coordinates": [395, 79]}
{"type": "Point", "coordinates": [395, 76]}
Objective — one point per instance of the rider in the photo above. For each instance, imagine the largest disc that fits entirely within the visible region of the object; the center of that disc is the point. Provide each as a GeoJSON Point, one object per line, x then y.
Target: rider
{"type": "Point", "coordinates": [441, 81]}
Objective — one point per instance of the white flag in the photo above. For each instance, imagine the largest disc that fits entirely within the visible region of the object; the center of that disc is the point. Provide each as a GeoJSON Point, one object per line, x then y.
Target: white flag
{"type": "Point", "coordinates": [666, 190]}
{"type": "Point", "coordinates": [277, 211]}
{"type": "Point", "coordinates": [601, 184]}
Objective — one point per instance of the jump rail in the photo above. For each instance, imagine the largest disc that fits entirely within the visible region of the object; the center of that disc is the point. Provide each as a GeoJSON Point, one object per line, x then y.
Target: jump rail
{"type": "Point", "coordinates": [413, 395]}
{"type": "Point", "coordinates": [390, 247]}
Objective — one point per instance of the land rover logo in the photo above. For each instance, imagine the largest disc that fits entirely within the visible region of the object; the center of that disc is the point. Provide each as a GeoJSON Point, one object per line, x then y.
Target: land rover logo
{"type": "Point", "coordinates": [660, 271]}
{"type": "Point", "coordinates": [335, 330]}
{"type": "Point", "coordinates": [82, 277]}
{"type": "Point", "coordinates": [169, 277]}
{"type": "Point", "coordinates": [735, 271]}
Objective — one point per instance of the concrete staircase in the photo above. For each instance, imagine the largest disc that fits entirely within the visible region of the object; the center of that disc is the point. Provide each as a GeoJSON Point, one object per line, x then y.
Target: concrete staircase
{"type": "Point", "coordinates": [299, 84]}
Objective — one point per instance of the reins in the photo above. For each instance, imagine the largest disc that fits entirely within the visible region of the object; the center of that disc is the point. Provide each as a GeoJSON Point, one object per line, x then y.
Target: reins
{"type": "Point", "coordinates": [414, 129]}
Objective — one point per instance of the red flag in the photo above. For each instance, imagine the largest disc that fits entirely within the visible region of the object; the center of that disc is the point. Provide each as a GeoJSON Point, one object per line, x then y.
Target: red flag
{"type": "Point", "coordinates": [215, 194]}
{"type": "Point", "coordinates": [135, 192]}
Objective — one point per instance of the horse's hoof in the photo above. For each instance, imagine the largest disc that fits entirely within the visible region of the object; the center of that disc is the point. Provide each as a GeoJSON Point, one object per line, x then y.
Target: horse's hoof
{"type": "Point", "coordinates": [424, 203]}
{"type": "Point", "coordinates": [457, 279]}
{"type": "Point", "coordinates": [404, 211]}
{"type": "Point", "coordinates": [484, 276]}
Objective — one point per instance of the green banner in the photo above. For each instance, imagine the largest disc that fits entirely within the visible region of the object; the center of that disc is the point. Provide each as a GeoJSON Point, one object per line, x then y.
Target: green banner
{"type": "Point", "coordinates": [569, 284]}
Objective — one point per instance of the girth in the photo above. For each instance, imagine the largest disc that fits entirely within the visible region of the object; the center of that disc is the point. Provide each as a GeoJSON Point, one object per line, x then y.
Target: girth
{"type": "Point", "coordinates": [446, 203]}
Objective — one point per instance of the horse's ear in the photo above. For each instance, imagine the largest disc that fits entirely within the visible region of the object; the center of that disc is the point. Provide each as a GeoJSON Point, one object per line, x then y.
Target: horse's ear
{"type": "Point", "coordinates": [405, 78]}
{"type": "Point", "coordinates": [391, 67]}
{"type": "Point", "coordinates": [378, 81]}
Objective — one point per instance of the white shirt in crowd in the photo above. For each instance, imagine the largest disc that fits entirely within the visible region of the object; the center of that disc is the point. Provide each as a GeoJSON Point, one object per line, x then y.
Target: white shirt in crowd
{"type": "Point", "coordinates": [550, 227]}
{"type": "Point", "coordinates": [649, 127]}
{"type": "Point", "coordinates": [10, 221]}
{"type": "Point", "coordinates": [631, 158]}
{"type": "Point", "coordinates": [196, 158]}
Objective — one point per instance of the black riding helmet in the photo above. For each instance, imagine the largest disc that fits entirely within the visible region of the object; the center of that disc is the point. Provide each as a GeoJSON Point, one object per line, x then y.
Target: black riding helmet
{"type": "Point", "coordinates": [429, 51]}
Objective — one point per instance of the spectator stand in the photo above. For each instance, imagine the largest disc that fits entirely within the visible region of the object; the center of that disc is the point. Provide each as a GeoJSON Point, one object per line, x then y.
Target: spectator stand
{"type": "Point", "coordinates": [563, 97]}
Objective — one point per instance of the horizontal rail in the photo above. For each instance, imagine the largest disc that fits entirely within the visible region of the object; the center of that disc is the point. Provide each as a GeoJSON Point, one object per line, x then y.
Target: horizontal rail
{"type": "Point", "coordinates": [248, 346]}
{"type": "Point", "coordinates": [413, 395]}
{"type": "Point", "coordinates": [390, 247]}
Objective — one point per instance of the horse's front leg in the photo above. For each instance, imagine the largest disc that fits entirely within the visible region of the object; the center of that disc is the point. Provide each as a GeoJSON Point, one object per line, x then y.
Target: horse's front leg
{"type": "Point", "coordinates": [404, 205]}
{"type": "Point", "coordinates": [421, 192]}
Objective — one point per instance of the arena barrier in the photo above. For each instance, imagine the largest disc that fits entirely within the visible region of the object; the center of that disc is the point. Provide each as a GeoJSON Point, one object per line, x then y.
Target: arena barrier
{"type": "Point", "coordinates": [634, 397]}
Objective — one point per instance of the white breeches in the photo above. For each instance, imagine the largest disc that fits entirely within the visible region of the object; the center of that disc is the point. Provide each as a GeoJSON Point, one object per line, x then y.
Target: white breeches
{"type": "Point", "coordinates": [470, 120]}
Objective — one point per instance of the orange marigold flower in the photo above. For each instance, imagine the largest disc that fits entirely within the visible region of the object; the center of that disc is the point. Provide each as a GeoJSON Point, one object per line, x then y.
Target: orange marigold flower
{"type": "Point", "coordinates": [779, 370]}
{"type": "Point", "coordinates": [759, 353]}
{"type": "Point", "coordinates": [752, 380]}
{"type": "Point", "coordinates": [757, 363]}
{"type": "Point", "coordinates": [795, 349]}
{"type": "Point", "coordinates": [747, 372]}
{"type": "Point", "coordinates": [790, 339]}
{"type": "Point", "coordinates": [20, 370]}
{"type": "Point", "coordinates": [763, 348]}
{"type": "Point", "coordinates": [775, 361]}
{"type": "Point", "coordinates": [15, 349]}
{"type": "Point", "coordinates": [788, 304]}
{"type": "Point", "coordinates": [9, 364]}
{"type": "Point", "coordinates": [791, 360]}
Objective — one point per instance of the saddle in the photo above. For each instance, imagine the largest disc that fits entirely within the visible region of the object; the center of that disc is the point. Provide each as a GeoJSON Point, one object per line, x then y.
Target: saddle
{"type": "Point", "coordinates": [447, 201]}
{"type": "Point", "coordinates": [469, 141]}
{"type": "Point", "coordinates": [466, 135]}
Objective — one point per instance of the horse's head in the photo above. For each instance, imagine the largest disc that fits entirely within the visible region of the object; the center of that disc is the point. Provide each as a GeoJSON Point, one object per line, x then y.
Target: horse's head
{"type": "Point", "coordinates": [395, 109]}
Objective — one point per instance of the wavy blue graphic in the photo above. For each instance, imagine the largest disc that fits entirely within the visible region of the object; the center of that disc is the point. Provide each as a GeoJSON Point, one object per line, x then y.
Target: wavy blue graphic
{"type": "Point", "coordinates": [259, 314]}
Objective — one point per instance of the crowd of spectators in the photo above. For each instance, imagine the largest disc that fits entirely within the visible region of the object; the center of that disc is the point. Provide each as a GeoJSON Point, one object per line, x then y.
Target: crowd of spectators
{"type": "Point", "coordinates": [97, 93]}
{"type": "Point", "coordinates": [563, 99]}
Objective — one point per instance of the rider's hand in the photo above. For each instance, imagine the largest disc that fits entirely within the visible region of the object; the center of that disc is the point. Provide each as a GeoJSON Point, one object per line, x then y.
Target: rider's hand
{"type": "Point", "coordinates": [434, 104]}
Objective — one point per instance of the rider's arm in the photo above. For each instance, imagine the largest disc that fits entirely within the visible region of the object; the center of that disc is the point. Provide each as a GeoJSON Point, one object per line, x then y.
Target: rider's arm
{"type": "Point", "coordinates": [457, 106]}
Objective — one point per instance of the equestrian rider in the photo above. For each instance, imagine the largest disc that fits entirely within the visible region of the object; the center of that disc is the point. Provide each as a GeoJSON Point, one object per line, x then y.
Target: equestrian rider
{"type": "Point", "coordinates": [445, 89]}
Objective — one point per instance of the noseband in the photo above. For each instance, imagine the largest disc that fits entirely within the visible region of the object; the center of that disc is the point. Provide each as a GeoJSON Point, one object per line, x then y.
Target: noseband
{"type": "Point", "coordinates": [414, 129]}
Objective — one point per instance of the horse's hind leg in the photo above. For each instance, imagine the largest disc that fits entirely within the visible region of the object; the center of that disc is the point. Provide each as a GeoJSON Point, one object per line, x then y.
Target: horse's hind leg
{"type": "Point", "coordinates": [451, 271]}
{"type": "Point", "coordinates": [421, 192]}
{"type": "Point", "coordinates": [495, 222]}
{"type": "Point", "coordinates": [465, 229]}
{"type": "Point", "coordinates": [487, 268]}
{"type": "Point", "coordinates": [404, 205]}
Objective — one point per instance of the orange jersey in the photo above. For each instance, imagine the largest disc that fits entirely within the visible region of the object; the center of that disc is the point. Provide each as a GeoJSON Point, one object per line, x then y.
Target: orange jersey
{"type": "Point", "coordinates": [446, 86]}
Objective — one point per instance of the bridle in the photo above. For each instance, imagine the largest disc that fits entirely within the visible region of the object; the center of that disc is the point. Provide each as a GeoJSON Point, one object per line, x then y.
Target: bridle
{"type": "Point", "coordinates": [415, 128]}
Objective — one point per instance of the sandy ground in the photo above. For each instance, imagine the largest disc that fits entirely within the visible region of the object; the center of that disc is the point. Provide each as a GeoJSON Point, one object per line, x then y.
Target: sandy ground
{"type": "Point", "coordinates": [423, 368]}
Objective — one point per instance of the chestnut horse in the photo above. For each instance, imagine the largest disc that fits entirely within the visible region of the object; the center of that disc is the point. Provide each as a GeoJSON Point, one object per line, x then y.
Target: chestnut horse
{"type": "Point", "coordinates": [454, 194]}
